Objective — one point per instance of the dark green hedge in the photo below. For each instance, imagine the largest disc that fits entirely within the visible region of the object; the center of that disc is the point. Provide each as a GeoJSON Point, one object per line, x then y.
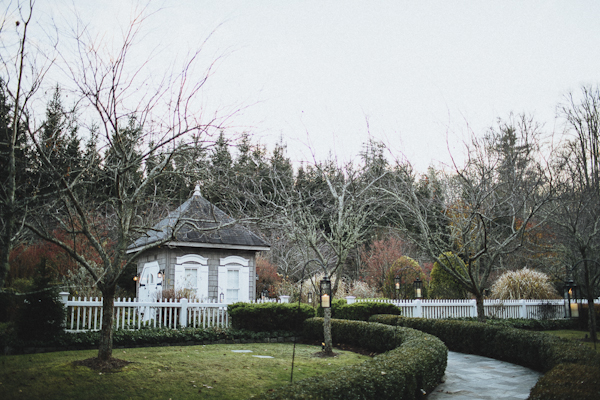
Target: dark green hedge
{"type": "Point", "coordinates": [414, 364]}
{"type": "Point", "coordinates": [361, 311]}
{"type": "Point", "coordinates": [141, 337]}
{"type": "Point", "coordinates": [364, 310]}
{"type": "Point", "coordinates": [536, 350]}
{"type": "Point", "coordinates": [530, 324]}
{"type": "Point", "coordinates": [335, 306]}
{"type": "Point", "coordinates": [269, 316]}
{"type": "Point", "coordinates": [568, 382]}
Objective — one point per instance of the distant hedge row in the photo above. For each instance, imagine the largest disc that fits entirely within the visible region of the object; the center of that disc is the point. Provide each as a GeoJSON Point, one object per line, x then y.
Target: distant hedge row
{"type": "Point", "coordinates": [413, 364]}
{"type": "Point", "coordinates": [290, 316]}
{"type": "Point", "coordinates": [536, 350]}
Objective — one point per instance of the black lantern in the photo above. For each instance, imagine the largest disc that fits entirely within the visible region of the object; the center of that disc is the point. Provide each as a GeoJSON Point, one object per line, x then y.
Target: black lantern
{"type": "Point", "coordinates": [570, 293]}
{"type": "Point", "coordinates": [136, 278]}
{"type": "Point", "coordinates": [310, 297]}
{"type": "Point", "coordinates": [397, 286]}
{"type": "Point", "coordinates": [325, 287]}
{"type": "Point", "coordinates": [418, 284]}
{"type": "Point", "coordinates": [265, 294]}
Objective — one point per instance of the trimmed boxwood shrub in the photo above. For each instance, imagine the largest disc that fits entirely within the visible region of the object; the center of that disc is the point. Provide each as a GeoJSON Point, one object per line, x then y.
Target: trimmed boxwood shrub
{"type": "Point", "coordinates": [536, 350]}
{"type": "Point", "coordinates": [531, 324]}
{"type": "Point", "coordinates": [414, 364]}
{"type": "Point", "coordinates": [141, 337]}
{"type": "Point", "coordinates": [567, 382]}
{"type": "Point", "coordinates": [335, 306]}
{"type": "Point", "coordinates": [364, 310]}
{"type": "Point", "coordinates": [269, 316]}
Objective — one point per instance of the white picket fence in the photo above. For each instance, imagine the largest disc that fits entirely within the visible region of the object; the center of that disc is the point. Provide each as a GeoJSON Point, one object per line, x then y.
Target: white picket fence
{"type": "Point", "coordinates": [86, 314]}
{"type": "Point", "coordinates": [437, 309]}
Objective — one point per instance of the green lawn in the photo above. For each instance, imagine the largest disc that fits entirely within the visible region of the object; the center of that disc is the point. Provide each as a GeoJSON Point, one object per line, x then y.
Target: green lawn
{"type": "Point", "coordinates": [574, 335]}
{"type": "Point", "coordinates": [206, 372]}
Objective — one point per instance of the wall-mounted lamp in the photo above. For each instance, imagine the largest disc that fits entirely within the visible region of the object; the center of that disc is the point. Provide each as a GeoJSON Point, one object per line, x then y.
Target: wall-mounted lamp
{"type": "Point", "coordinates": [221, 297]}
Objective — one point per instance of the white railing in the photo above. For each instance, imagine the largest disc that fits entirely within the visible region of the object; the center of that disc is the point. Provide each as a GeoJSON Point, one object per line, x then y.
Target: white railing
{"type": "Point", "coordinates": [437, 309]}
{"type": "Point", "coordinates": [86, 314]}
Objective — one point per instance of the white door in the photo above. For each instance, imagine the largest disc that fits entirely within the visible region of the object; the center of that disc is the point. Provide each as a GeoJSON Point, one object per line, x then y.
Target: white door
{"type": "Point", "coordinates": [150, 284]}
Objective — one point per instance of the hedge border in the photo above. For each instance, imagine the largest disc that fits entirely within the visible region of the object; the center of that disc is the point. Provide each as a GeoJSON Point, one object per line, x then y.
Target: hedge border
{"type": "Point", "coordinates": [413, 364]}
{"type": "Point", "coordinates": [537, 350]}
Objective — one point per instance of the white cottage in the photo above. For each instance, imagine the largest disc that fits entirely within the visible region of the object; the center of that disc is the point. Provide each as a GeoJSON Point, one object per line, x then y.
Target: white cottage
{"type": "Point", "coordinates": [214, 264]}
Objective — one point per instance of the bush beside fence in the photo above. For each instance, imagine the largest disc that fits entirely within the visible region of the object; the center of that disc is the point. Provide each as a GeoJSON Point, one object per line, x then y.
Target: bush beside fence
{"type": "Point", "coordinates": [269, 316]}
{"type": "Point", "coordinates": [414, 363]}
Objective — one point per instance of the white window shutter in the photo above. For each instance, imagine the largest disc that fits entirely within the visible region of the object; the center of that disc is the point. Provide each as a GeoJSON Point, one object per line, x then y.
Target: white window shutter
{"type": "Point", "coordinates": [179, 277]}
{"type": "Point", "coordinates": [244, 284]}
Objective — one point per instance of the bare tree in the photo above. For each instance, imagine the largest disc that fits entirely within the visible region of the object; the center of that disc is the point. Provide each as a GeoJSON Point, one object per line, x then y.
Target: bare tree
{"type": "Point", "coordinates": [485, 212]}
{"type": "Point", "coordinates": [327, 212]}
{"type": "Point", "coordinates": [577, 215]}
{"type": "Point", "coordinates": [142, 131]}
{"type": "Point", "coordinates": [24, 69]}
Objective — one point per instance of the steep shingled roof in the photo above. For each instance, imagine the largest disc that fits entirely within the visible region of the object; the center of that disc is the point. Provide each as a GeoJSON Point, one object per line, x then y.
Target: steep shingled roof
{"type": "Point", "coordinates": [199, 220]}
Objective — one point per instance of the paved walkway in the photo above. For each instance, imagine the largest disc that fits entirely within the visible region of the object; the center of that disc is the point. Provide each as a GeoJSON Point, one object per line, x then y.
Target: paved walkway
{"type": "Point", "coordinates": [474, 377]}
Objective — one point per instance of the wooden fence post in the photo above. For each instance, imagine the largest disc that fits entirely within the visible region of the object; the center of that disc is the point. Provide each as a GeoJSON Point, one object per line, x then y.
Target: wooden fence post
{"type": "Point", "coordinates": [183, 312]}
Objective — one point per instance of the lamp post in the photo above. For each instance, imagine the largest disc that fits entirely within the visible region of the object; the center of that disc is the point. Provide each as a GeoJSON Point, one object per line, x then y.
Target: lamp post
{"type": "Point", "coordinates": [418, 284]}
{"type": "Point", "coordinates": [265, 294]}
{"type": "Point", "coordinates": [310, 298]}
{"type": "Point", "coordinates": [397, 286]}
{"type": "Point", "coordinates": [570, 292]}
{"type": "Point", "coordinates": [325, 289]}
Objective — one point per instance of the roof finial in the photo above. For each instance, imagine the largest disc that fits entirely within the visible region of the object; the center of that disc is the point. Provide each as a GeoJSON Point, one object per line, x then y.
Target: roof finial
{"type": "Point", "coordinates": [197, 190]}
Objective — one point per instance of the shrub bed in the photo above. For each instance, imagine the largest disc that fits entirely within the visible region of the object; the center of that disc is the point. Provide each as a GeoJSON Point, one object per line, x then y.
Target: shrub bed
{"type": "Point", "coordinates": [536, 350]}
{"type": "Point", "coordinates": [364, 310]}
{"type": "Point", "coordinates": [141, 337]}
{"type": "Point", "coordinates": [530, 324]}
{"type": "Point", "coordinates": [413, 364]}
{"type": "Point", "coordinates": [567, 382]}
{"type": "Point", "coordinates": [269, 316]}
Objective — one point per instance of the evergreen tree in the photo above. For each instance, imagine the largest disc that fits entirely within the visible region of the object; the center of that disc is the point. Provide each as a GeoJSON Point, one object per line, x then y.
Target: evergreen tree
{"type": "Point", "coordinates": [42, 314]}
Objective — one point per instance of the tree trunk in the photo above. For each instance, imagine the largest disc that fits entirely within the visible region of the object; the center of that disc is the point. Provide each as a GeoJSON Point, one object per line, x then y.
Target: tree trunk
{"type": "Point", "coordinates": [590, 301]}
{"type": "Point", "coordinates": [480, 308]}
{"type": "Point", "coordinates": [327, 332]}
{"type": "Point", "coordinates": [106, 334]}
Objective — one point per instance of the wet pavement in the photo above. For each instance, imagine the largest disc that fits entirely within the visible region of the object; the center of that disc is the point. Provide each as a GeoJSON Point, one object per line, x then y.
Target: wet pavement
{"type": "Point", "coordinates": [474, 377]}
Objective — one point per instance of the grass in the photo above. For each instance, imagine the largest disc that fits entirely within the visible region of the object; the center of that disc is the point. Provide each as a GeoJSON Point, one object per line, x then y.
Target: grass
{"type": "Point", "coordinates": [574, 335]}
{"type": "Point", "coordinates": [207, 372]}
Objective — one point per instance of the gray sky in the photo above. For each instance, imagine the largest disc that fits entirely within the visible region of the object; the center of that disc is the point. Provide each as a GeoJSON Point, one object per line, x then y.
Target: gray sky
{"type": "Point", "coordinates": [417, 75]}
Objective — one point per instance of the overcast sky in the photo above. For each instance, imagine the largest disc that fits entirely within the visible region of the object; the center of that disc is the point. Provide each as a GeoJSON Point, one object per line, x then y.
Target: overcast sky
{"type": "Point", "coordinates": [418, 75]}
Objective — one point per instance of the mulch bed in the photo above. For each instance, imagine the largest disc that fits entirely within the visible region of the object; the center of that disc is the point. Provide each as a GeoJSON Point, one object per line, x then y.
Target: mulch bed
{"type": "Point", "coordinates": [113, 364]}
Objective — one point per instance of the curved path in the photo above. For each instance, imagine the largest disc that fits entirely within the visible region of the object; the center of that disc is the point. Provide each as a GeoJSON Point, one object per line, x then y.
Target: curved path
{"type": "Point", "coordinates": [474, 377]}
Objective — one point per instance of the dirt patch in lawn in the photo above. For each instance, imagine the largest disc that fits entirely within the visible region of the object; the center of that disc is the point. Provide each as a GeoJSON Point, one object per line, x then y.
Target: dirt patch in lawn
{"type": "Point", "coordinates": [111, 365]}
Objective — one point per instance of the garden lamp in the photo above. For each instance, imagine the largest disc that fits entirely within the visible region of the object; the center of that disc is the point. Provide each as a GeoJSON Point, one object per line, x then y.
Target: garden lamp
{"type": "Point", "coordinates": [418, 284]}
{"type": "Point", "coordinates": [136, 278]}
{"type": "Point", "coordinates": [310, 297]}
{"type": "Point", "coordinates": [325, 286]}
{"type": "Point", "coordinates": [397, 286]}
{"type": "Point", "coordinates": [265, 294]}
{"type": "Point", "coordinates": [570, 292]}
